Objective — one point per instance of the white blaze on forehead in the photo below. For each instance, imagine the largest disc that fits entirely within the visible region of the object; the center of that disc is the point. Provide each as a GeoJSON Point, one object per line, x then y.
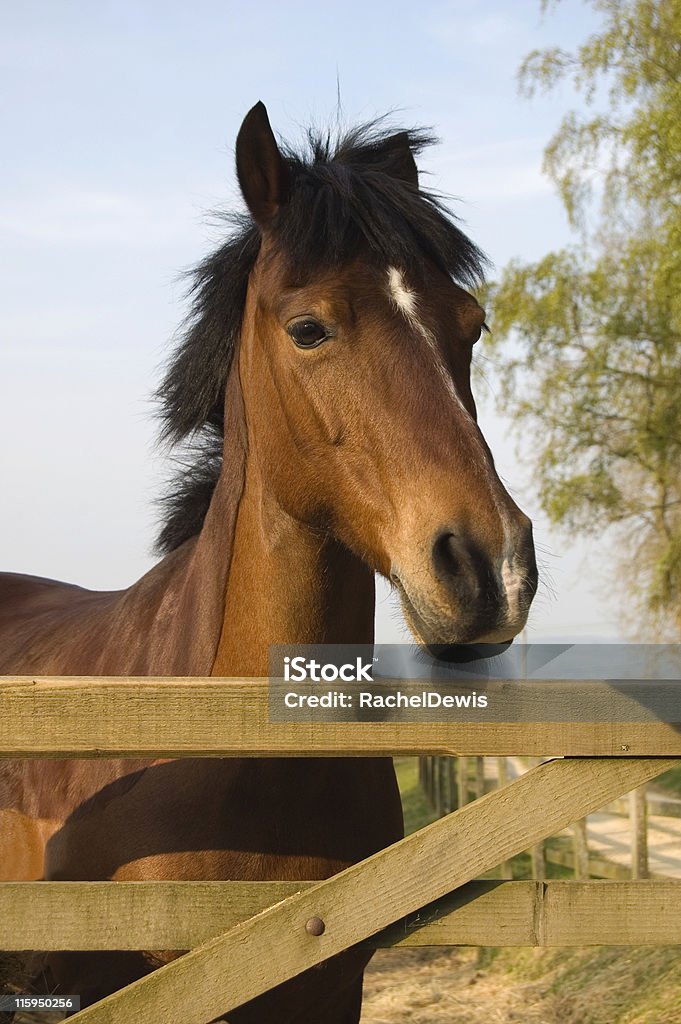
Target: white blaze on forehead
{"type": "Point", "coordinates": [403, 297]}
{"type": "Point", "coordinates": [406, 301]}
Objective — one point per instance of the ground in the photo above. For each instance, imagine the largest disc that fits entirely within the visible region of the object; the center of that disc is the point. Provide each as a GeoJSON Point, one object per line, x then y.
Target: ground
{"type": "Point", "coordinates": [600, 985]}
{"type": "Point", "coordinates": [440, 986]}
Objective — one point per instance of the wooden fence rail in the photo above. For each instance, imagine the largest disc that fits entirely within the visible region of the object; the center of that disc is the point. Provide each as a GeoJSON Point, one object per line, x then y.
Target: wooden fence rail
{"type": "Point", "coordinates": [183, 915]}
{"type": "Point", "coordinates": [205, 717]}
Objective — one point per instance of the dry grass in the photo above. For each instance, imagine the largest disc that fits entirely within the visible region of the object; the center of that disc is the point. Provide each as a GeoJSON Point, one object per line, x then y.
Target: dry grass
{"type": "Point", "coordinates": [601, 985]}
{"type": "Point", "coordinates": [430, 986]}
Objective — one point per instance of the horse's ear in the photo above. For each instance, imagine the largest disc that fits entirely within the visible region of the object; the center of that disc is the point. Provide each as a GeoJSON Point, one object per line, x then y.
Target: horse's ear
{"type": "Point", "coordinates": [402, 163]}
{"type": "Point", "coordinates": [261, 169]}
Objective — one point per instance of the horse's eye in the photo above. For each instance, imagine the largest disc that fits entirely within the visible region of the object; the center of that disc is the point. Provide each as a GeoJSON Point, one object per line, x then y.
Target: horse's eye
{"type": "Point", "coordinates": [307, 333]}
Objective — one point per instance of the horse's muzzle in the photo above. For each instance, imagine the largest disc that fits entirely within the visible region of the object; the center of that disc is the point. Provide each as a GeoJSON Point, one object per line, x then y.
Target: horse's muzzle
{"type": "Point", "coordinates": [492, 593]}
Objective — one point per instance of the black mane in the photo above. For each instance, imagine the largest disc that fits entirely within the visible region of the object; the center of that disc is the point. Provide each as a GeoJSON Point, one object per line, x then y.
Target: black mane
{"type": "Point", "coordinates": [347, 196]}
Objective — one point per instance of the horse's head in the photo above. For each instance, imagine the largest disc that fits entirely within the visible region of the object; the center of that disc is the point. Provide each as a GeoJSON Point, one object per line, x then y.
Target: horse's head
{"type": "Point", "coordinates": [355, 363]}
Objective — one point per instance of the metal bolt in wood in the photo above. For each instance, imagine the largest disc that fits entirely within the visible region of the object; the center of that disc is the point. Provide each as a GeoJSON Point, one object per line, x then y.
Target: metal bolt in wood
{"type": "Point", "coordinates": [315, 926]}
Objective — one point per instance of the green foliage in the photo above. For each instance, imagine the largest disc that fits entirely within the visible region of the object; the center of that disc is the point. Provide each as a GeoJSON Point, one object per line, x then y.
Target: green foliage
{"type": "Point", "coordinates": [671, 780]}
{"type": "Point", "coordinates": [590, 337]}
{"type": "Point", "coordinates": [636, 61]}
{"type": "Point", "coordinates": [415, 807]}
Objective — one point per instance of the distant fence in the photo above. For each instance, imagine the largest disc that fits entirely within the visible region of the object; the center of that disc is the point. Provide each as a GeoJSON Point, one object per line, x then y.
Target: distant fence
{"type": "Point", "coordinates": [421, 890]}
{"type": "Point", "coordinates": [450, 783]}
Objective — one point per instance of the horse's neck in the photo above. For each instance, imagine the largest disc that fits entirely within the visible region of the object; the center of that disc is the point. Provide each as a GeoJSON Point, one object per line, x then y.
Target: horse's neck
{"type": "Point", "coordinates": [253, 577]}
{"type": "Point", "coordinates": [287, 584]}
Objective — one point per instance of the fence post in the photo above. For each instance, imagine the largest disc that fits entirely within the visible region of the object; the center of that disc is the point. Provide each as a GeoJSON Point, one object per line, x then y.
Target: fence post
{"type": "Point", "coordinates": [444, 796]}
{"type": "Point", "coordinates": [463, 781]}
{"type": "Point", "coordinates": [437, 788]}
{"type": "Point", "coordinates": [538, 863]}
{"type": "Point", "coordinates": [581, 850]}
{"type": "Point", "coordinates": [428, 778]}
{"type": "Point", "coordinates": [638, 814]}
{"type": "Point", "coordinates": [479, 777]}
{"type": "Point", "coordinates": [452, 772]}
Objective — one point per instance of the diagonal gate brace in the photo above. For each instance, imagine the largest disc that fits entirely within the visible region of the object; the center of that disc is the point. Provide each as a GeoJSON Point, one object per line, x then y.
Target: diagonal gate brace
{"type": "Point", "coordinates": [333, 915]}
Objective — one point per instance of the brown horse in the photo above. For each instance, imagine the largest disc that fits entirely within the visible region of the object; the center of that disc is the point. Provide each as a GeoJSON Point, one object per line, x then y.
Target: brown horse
{"type": "Point", "coordinates": [324, 384]}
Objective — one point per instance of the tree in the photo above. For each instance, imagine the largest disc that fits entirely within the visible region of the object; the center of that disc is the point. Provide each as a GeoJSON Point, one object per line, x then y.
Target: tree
{"type": "Point", "coordinates": [589, 337]}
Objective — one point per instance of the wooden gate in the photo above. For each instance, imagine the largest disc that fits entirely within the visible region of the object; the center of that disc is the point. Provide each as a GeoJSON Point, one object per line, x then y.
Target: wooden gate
{"type": "Point", "coordinates": [246, 937]}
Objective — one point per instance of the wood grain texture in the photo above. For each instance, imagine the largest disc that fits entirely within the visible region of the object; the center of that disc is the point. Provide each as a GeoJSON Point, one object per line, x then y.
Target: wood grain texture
{"type": "Point", "coordinates": [357, 903]}
{"type": "Point", "coordinates": [127, 717]}
{"type": "Point", "coordinates": [182, 915]}
{"type": "Point", "coordinates": [566, 913]}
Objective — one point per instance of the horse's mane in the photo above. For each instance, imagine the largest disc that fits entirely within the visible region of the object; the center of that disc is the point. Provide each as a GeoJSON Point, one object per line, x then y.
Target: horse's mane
{"type": "Point", "coordinates": [347, 195]}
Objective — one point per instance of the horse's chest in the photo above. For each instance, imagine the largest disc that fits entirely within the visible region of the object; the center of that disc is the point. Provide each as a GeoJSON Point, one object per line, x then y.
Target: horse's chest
{"type": "Point", "coordinates": [210, 818]}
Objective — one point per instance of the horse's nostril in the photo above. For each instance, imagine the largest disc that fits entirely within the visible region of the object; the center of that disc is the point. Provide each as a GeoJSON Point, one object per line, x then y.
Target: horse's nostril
{"type": "Point", "coordinates": [449, 557]}
{"type": "Point", "coordinates": [465, 569]}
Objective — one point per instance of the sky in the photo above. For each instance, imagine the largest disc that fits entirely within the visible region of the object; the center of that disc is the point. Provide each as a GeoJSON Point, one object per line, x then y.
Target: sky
{"type": "Point", "coordinates": [118, 127]}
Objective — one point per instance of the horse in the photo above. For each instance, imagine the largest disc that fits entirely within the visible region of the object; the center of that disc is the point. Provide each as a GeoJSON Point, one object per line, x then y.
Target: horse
{"type": "Point", "coordinates": [322, 385]}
